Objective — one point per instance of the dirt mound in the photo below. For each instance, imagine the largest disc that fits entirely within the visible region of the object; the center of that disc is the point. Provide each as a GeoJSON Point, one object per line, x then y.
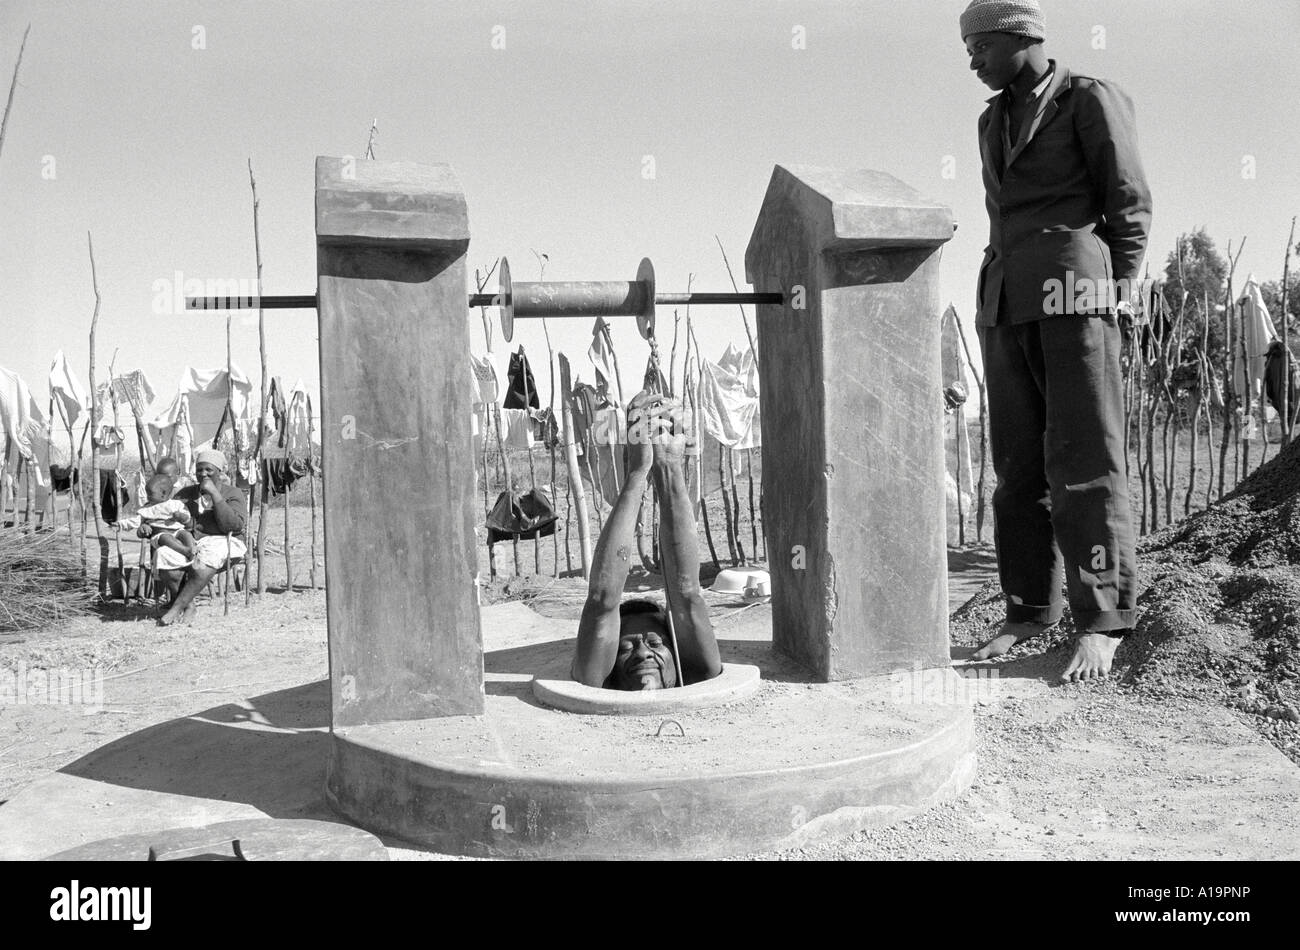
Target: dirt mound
{"type": "Point", "coordinates": [1257, 524]}
{"type": "Point", "coordinates": [1220, 607]}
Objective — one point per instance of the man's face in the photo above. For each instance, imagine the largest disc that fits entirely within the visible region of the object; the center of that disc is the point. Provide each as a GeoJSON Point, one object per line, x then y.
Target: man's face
{"type": "Point", "coordinates": [207, 470]}
{"type": "Point", "coordinates": [644, 660]}
{"type": "Point", "coordinates": [169, 468]}
{"type": "Point", "coordinates": [997, 58]}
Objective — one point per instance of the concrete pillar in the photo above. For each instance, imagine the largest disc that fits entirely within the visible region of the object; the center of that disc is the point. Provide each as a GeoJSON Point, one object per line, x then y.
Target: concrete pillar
{"type": "Point", "coordinates": [404, 639]}
{"type": "Point", "coordinates": [853, 491]}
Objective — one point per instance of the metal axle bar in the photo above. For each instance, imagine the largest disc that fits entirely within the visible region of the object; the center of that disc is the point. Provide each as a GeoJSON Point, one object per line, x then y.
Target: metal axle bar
{"type": "Point", "coordinates": [308, 301]}
{"type": "Point", "coordinates": [541, 299]}
{"type": "Point", "coordinates": [281, 302]}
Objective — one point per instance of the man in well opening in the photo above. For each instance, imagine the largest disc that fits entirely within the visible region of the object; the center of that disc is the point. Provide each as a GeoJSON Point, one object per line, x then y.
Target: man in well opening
{"type": "Point", "coordinates": [629, 645]}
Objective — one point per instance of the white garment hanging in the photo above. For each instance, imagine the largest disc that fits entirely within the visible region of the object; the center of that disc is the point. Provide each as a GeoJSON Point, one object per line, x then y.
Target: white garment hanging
{"type": "Point", "coordinates": [728, 412]}
{"type": "Point", "coordinates": [1258, 333]}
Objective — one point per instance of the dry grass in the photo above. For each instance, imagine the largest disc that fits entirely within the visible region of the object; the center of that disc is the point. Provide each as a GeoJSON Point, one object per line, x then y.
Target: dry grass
{"type": "Point", "coordinates": [40, 581]}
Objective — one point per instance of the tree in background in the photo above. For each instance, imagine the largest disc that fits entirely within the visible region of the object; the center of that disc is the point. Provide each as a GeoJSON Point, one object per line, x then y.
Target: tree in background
{"type": "Point", "coordinates": [1272, 293]}
{"type": "Point", "coordinates": [1202, 273]}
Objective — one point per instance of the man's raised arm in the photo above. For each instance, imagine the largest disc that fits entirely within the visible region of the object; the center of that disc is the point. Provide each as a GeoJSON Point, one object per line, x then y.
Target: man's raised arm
{"type": "Point", "coordinates": [697, 647]}
{"type": "Point", "coordinates": [598, 631]}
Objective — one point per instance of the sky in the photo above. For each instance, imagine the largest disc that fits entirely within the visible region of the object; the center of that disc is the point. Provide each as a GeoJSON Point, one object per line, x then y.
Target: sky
{"type": "Point", "coordinates": [135, 121]}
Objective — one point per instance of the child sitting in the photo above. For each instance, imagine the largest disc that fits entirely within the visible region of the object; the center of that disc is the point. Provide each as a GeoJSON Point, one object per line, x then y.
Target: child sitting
{"type": "Point", "coordinates": [164, 519]}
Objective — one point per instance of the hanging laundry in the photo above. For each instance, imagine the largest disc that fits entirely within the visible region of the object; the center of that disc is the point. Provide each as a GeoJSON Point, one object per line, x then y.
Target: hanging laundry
{"type": "Point", "coordinates": [602, 464]}
{"type": "Point", "coordinates": [203, 393]}
{"type": "Point", "coordinates": [110, 456]}
{"type": "Point", "coordinates": [1275, 372]}
{"type": "Point", "coordinates": [741, 364]}
{"type": "Point", "coordinates": [485, 380]}
{"type": "Point", "coordinates": [728, 412]}
{"type": "Point", "coordinates": [63, 477]}
{"type": "Point", "coordinates": [1258, 334]}
{"type": "Point", "coordinates": [298, 424]}
{"type": "Point", "coordinates": [22, 420]}
{"type": "Point", "coordinates": [521, 389]}
{"type": "Point", "coordinates": [517, 429]}
{"type": "Point", "coordinates": [182, 438]}
{"type": "Point", "coordinates": [544, 428]}
{"type": "Point", "coordinates": [601, 355]}
{"type": "Point", "coordinates": [276, 437]}
{"type": "Point", "coordinates": [106, 435]}
{"type": "Point", "coordinates": [67, 390]}
{"type": "Point", "coordinates": [523, 517]}
{"type": "Point", "coordinates": [277, 409]}
{"type": "Point", "coordinates": [281, 473]}
{"type": "Point", "coordinates": [134, 390]}
{"type": "Point", "coordinates": [486, 392]}
{"type": "Point", "coordinates": [582, 408]}
{"type": "Point", "coordinates": [113, 499]}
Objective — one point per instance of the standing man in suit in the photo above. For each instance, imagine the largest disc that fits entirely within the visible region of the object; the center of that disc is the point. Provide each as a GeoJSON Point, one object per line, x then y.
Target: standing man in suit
{"type": "Point", "coordinates": [1069, 213]}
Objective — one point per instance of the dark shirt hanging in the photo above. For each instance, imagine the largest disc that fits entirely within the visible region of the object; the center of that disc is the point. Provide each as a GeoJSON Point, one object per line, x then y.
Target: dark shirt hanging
{"type": "Point", "coordinates": [114, 499]}
{"type": "Point", "coordinates": [520, 381]}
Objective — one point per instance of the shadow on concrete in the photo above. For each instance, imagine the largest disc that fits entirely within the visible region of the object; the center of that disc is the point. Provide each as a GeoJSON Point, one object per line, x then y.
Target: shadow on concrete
{"type": "Point", "coordinates": [521, 690]}
{"type": "Point", "coordinates": [549, 660]}
{"type": "Point", "coordinates": [271, 756]}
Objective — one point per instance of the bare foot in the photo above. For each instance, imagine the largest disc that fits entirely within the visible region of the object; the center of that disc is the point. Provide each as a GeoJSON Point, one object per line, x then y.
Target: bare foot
{"type": "Point", "coordinates": [1093, 653]}
{"type": "Point", "coordinates": [185, 616]}
{"type": "Point", "coordinates": [1008, 636]}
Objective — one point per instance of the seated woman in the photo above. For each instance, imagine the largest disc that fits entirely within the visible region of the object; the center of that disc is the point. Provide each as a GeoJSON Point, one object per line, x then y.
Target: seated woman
{"type": "Point", "coordinates": [630, 645]}
{"type": "Point", "coordinates": [216, 510]}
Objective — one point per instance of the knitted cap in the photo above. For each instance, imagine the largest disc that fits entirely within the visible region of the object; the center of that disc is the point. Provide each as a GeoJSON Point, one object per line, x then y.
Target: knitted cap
{"type": "Point", "coordinates": [1024, 17]}
{"type": "Point", "coordinates": [213, 458]}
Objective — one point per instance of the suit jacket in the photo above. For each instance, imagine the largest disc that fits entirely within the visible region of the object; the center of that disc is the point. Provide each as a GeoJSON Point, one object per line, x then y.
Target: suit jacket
{"type": "Point", "coordinates": [1071, 204]}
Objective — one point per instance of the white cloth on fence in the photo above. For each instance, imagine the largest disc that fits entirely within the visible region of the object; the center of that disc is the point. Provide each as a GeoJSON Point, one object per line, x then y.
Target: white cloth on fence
{"type": "Point", "coordinates": [728, 404]}
{"type": "Point", "coordinates": [302, 439]}
{"type": "Point", "coordinates": [134, 389]}
{"type": "Point", "coordinates": [180, 439]}
{"type": "Point", "coordinates": [602, 358]}
{"type": "Point", "coordinates": [516, 429]}
{"type": "Point", "coordinates": [22, 420]}
{"type": "Point", "coordinates": [106, 434]}
{"type": "Point", "coordinates": [487, 392]}
{"type": "Point", "coordinates": [67, 390]}
{"type": "Point", "coordinates": [487, 388]}
{"type": "Point", "coordinates": [202, 393]}
{"type": "Point", "coordinates": [109, 442]}
{"type": "Point", "coordinates": [1258, 333]}
{"type": "Point", "coordinates": [741, 363]}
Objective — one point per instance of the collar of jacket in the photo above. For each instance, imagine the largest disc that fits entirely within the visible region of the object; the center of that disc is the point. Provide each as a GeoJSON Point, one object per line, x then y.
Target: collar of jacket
{"type": "Point", "coordinates": [991, 140]}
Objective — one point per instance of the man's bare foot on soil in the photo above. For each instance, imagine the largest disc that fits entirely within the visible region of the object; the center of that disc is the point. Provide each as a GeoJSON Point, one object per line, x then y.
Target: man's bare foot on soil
{"type": "Point", "coordinates": [1008, 636]}
{"type": "Point", "coordinates": [1093, 653]}
{"type": "Point", "coordinates": [171, 617]}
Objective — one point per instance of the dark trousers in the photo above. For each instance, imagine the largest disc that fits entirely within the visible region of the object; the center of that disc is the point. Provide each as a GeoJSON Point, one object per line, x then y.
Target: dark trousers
{"type": "Point", "coordinates": [1056, 428]}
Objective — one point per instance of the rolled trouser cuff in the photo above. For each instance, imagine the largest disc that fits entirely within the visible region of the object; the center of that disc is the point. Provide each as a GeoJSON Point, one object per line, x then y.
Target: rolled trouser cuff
{"type": "Point", "coordinates": [1117, 623]}
{"type": "Point", "coordinates": [1028, 613]}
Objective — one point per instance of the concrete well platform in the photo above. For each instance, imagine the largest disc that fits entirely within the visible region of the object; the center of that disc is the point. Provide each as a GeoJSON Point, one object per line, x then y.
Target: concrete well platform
{"type": "Point", "coordinates": [792, 763]}
{"type": "Point", "coordinates": [737, 681]}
